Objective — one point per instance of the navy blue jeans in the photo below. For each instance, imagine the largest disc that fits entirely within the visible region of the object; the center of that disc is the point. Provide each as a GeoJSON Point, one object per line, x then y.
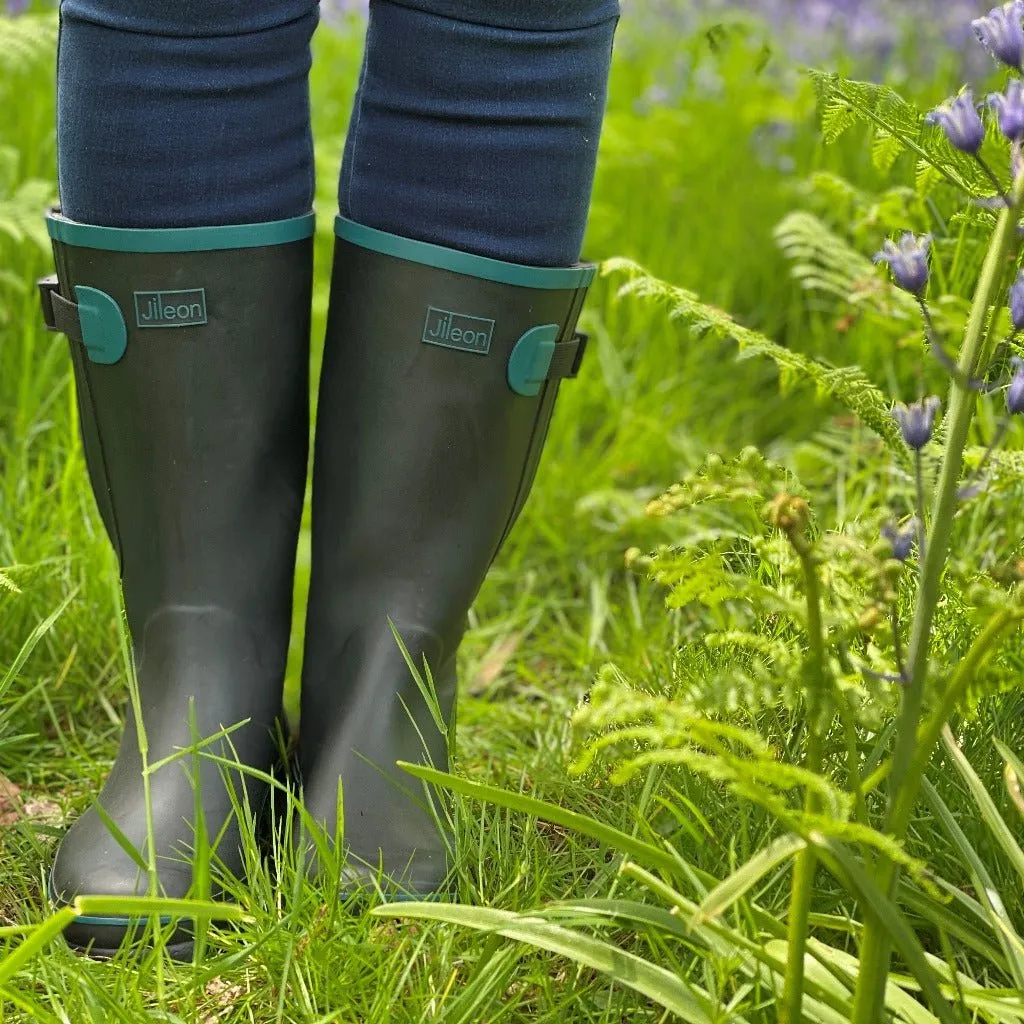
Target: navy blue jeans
{"type": "Point", "coordinates": [475, 126]}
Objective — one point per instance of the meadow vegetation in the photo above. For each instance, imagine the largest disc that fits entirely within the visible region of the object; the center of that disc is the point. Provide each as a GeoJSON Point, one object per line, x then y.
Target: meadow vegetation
{"type": "Point", "coordinates": [683, 720]}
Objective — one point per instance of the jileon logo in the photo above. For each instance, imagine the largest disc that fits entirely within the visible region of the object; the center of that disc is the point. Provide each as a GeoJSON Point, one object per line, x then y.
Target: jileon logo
{"type": "Point", "coordinates": [456, 330]}
{"type": "Point", "coordinates": [183, 308]}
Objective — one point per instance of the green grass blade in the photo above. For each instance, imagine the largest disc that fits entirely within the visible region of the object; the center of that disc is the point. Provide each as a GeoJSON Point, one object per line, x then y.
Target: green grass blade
{"type": "Point", "coordinates": [897, 1000]}
{"type": "Point", "coordinates": [119, 837]}
{"type": "Point", "coordinates": [30, 644]}
{"type": "Point", "coordinates": [197, 745]}
{"type": "Point", "coordinates": [36, 942]}
{"type": "Point", "coordinates": [985, 888]}
{"type": "Point", "coordinates": [760, 961]}
{"type": "Point", "coordinates": [847, 869]}
{"type": "Point", "coordinates": [744, 878]}
{"type": "Point", "coordinates": [1015, 765]}
{"type": "Point", "coordinates": [943, 917]}
{"type": "Point", "coordinates": [147, 906]}
{"type": "Point", "coordinates": [34, 1012]}
{"type": "Point", "coordinates": [582, 823]}
{"type": "Point", "coordinates": [986, 805]}
{"type": "Point", "coordinates": [656, 983]}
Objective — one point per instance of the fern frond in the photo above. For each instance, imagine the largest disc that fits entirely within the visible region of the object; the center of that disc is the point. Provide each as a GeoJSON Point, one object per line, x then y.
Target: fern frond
{"type": "Point", "coordinates": [846, 384]}
{"type": "Point", "coordinates": [845, 102]}
{"type": "Point", "coordinates": [826, 264]}
{"type": "Point", "coordinates": [21, 214]}
{"type": "Point", "coordinates": [26, 42]}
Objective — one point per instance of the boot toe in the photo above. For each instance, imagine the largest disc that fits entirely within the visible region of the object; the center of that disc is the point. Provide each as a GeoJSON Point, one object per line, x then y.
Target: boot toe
{"type": "Point", "coordinates": [89, 862]}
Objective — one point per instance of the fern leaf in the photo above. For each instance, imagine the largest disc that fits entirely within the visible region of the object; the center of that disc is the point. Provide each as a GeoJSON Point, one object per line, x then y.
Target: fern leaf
{"type": "Point", "coordinates": [846, 384]}
{"type": "Point", "coordinates": [22, 214]}
{"type": "Point", "coordinates": [902, 126]}
{"type": "Point", "coordinates": [26, 42]}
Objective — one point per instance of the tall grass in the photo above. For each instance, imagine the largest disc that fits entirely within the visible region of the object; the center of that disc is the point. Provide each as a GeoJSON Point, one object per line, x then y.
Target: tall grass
{"type": "Point", "coordinates": [709, 148]}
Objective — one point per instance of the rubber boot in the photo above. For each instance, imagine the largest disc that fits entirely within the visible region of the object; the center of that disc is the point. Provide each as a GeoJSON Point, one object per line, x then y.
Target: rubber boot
{"type": "Point", "coordinates": [439, 378]}
{"type": "Point", "coordinates": [190, 352]}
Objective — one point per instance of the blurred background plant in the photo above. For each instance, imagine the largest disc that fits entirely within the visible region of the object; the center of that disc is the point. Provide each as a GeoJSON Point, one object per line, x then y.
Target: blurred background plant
{"type": "Point", "coordinates": [730, 173]}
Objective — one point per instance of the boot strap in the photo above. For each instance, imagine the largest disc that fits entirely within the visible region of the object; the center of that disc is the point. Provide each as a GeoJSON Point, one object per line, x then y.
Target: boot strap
{"type": "Point", "coordinates": [95, 322]}
{"type": "Point", "coordinates": [567, 357]}
{"type": "Point", "coordinates": [59, 314]}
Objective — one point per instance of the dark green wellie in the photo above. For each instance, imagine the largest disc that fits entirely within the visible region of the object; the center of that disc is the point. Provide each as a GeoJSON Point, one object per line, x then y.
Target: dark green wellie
{"type": "Point", "coordinates": [190, 353]}
{"type": "Point", "coordinates": [440, 374]}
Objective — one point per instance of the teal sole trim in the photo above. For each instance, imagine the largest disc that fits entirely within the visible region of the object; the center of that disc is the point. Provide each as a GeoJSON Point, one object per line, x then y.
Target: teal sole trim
{"type": "Point", "coordinates": [111, 922]}
{"type": "Point", "coordinates": [480, 267]}
{"type": "Point", "coordinates": [120, 922]}
{"type": "Point", "coordinates": [205, 239]}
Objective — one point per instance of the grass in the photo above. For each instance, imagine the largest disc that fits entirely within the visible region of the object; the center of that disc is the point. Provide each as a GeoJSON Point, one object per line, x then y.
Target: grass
{"type": "Point", "coordinates": [692, 189]}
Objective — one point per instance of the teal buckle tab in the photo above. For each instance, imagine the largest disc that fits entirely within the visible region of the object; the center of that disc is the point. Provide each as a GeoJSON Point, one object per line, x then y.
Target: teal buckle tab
{"type": "Point", "coordinates": [104, 333]}
{"type": "Point", "coordinates": [531, 358]}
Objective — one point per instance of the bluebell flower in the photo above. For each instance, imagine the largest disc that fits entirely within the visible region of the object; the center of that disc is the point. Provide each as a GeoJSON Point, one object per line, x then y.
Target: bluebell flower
{"type": "Point", "coordinates": [917, 420]}
{"type": "Point", "coordinates": [960, 120]}
{"type": "Point", "coordinates": [908, 261]}
{"type": "Point", "coordinates": [901, 538]}
{"type": "Point", "coordinates": [1001, 33]}
{"type": "Point", "coordinates": [1009, 108]}
{"type": "Point", "coordinates": [1015, 392]}
{"type": "Point", "coordinates": [1017, 302]}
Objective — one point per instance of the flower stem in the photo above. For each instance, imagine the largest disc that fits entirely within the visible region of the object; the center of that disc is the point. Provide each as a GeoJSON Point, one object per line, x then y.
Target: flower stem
{"type": "Point", "coordinates": [904, 783]}
{"type": "Point", "coordinates": [922, 532]}
{"type": "Point", "coordinates": [991, 175]}
{"type": "Point", "coordinates": [791, 1008]}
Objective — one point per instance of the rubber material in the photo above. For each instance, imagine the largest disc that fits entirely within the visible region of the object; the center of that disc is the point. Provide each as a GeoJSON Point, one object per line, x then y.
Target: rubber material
{"type": "Point", "coordinates": [424, 458]}
{"type": "Point", "coordinates": [196, 444]}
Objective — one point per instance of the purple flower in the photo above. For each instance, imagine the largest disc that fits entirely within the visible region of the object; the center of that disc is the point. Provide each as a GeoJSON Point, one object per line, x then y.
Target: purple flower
{"type": "Point", "coordinates": [1000, 32]}
{"type": "Point", "coordinates": [908, 261]}
{"type": "Point", "coordinates": [1015, 392]}
{"type": "Point", "coordinates": [959, 119]}
{"type": "Point", "coordinates": [1009, 108]}
{"type": "Point", "coordinates": [917, 420]}
{"type": "Point", "coordinates": [901, 538]}
{"type": "Point", "coordinates": [1017, 302]}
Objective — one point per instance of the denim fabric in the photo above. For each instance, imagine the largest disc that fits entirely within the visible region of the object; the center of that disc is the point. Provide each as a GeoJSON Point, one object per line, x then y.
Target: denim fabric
{"type": "Point", "coordinates": [480, 137]}
{"type": "Point", "coordinates": [178, 113]}
{"type": "Point", "coordinates": [536, 15]}
{"type": "Point", "coordinates": [476, 122]}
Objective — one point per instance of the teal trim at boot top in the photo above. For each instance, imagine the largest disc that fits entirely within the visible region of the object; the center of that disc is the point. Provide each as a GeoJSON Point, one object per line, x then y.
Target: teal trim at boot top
{"type": "Point", "coordinates": [440, 374]}
{"type": "Point", "coordinates": [481, 267]}
{"type": "Point", "coordinates": [201, 239]}
{"type": "Point", "coordinates": [192, 381]}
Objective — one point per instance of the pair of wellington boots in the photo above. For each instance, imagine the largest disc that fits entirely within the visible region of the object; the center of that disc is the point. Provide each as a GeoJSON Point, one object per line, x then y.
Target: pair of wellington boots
{"type": "Point", "coordinates": [190, 350]}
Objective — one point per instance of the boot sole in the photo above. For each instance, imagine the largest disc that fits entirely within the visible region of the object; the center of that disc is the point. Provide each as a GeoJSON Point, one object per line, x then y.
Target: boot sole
{"type": "Point", "coordinates": [180, 952]}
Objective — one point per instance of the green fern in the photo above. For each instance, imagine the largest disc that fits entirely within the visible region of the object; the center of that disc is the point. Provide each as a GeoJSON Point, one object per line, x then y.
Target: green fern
{"type": "Point", "coordinates": [847, 385]}
{"type": "Point", "coordinates": [26, 42]}
{"type": "Point", "coordinates": [634, 730]}
{"type": "Point", "coordinates": [21, 213]}
{"type": "Point", "coordinates": [899, 126]}
{"type": "Point", "coordinates": [825, 264]}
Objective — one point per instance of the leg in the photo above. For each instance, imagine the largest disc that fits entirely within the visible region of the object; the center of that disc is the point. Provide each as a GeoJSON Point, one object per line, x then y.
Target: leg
{"type": "Point", "coordinates": [189, 342]}
{"type": "Point", "coordinates": [464, 194]}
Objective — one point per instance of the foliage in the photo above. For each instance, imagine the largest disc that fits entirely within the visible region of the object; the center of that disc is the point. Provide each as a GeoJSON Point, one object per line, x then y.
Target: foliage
{"type": "Point", "coordinates": [635, 775]}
